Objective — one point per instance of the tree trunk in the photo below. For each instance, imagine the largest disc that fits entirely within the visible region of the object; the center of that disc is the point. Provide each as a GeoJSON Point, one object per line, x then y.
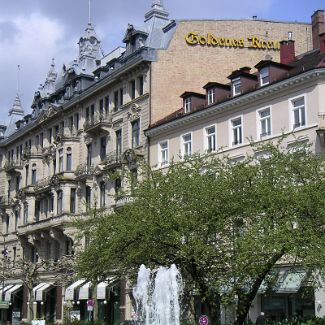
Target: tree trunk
{"type": "Point", "coordinates": [31, 305]}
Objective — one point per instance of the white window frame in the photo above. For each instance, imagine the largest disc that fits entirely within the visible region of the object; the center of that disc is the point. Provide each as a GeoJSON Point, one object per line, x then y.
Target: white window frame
{"type": "Point", "coordinates": [234, 83]}
{"type": "Point", "coordinates": [187, 105]}
{"type": "Point", "coordinates": [264, 72]}
{"type": "Point", "coordinates": [231, 133]}
{"type": "Point", "coordinates": [183, 145]}
{"type": "Point", "coordinates": [160, 153]}
{"type": "Point", "coordinates": [206, 137]}
{"type": "Point", "coordinates": [211, 96]}
{"type": "Point", "coordinates": [291, 112]}
{"type": "Point", "coordinates": [259, 120]}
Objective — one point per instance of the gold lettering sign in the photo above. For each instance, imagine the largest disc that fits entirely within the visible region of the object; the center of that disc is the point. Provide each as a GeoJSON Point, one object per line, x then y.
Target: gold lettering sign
{"type": "Point", "coordinates": [253, 42]}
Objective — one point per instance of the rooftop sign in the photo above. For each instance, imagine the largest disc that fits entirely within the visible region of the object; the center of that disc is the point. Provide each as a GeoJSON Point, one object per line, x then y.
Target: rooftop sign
{"type": "Point", "coordinates": [252, 42]}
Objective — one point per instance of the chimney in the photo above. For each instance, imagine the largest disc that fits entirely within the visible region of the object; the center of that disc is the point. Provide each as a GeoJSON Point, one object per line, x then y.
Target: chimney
{"type": "Point", "coordinates": [322, 42]}
{"type": "Point", "coordinates": [287, 51]}
{"type": "Point", "coordinates": [318, 27]}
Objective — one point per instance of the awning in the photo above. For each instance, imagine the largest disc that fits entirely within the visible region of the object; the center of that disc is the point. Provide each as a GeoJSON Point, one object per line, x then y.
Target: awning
{"type": "Point", "coordinates": [290, 282]}
{"type": "Point", "coordinates": [84, 291]}
{"type": "Point", "coordinates": [11, 291]}
{"type": "Point", "coordinates": [7, 287]}
{"type": "Point", "coordinates": [287, 282]}
{"type": "Point", "coordinates": [37, 288]}
{"type": "Point", "coordinates": [101, 290]}
{"type": "Point", "coordinates": [39, 292]}
{"type": "Point", "coordinates": [69, 291]}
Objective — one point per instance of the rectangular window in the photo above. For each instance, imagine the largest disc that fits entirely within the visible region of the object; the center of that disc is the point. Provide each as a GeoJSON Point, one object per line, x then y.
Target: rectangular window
{"type": "Point", "coordinates": [76, 121]}
{"type": "Point", "coordinates": [264, 76]}
{"type": "Point", "coordinates": [25, 214]}
{"type": "Point", "coordinates": [298, 112]}
{"type": "Point", "coordinates": [118, 142]}
{"type": "Point", "coordinates": [118, 186]}
{"type": "Point", "coordinates": [236, 87]}
{"type": "Point", "coordinates": [26, 174]}
{"type": "Point", "coordinates": [41, 139]}
{"type": "Point", "coordinates": [70, 123]}
{"type": "Point", "coordinates": [92, 113]}
{"type": "Point", "coordinates": [106, 107]}
{"type": "Point", "coordinates": [69, 160]}
{"type": "Point", "coordinates": [116, 101]}
{"type": "Point", "coordinates": [121, 97]}
{"type": "Point", "coordinates": [101, 107]}
{"type": "Point", "coordinates": [54, 166]}
{"type": "Point", "coordinates": [132, 89]}
{"type": "Point", "coordinates": [210, 96]}
{"type": "Point", "coordinates": [187, 104]}
{"type": "Point", "coordinates": [140, 85]}
{"type": "Point", "coordinates": [50, 135]}
{"type": "Point", "coordinates": [89, 154]}
{"type": "Point", "coordinates": [187, 144]}
{"type": "Point", "coordinates": [88, 197]}
{"type": "Point", "coordinates": [33, 175]}
{"type": "Point", "coordinates": [37, 210]}
{"type": "Point", "coordinates": [60, 160]}
{"type": "Point", "coordinates": [237, 131]}
{"type": "Point", "coordinates": [135, 133]}
{"type": "Point", "coordinates": [73, 200]}
{"type": "Point", "coordinates": [264, 122]}
{"type": "Point", "coordinates": [102, 194]}
{"type": "Point", "coordinates": [59, 201]}
{"type": "Point", "coordinates": [103, 148]}
{"type": "Point", "coordinates": [163, 157]}
{"type": "Point", "coordinates": [16, 219]}
{"type": "Point", "coordinates": [210, 134]}
{"type": "Point", "coordinates": [51, 203]}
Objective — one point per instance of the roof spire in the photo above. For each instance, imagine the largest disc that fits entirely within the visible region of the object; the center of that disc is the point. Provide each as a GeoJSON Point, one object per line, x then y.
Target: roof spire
{"type": "Point", "coordinates": [16, 107]}
{"type": "Point", "coordinates": [157, 10]}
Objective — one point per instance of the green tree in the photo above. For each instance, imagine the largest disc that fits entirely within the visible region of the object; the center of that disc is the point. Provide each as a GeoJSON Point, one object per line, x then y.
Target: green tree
{"type": "Point", "coordinates": [225, 224]}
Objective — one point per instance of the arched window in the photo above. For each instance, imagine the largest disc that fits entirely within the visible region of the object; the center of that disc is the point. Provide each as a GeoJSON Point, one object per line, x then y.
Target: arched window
{"type": "Point", "coordinates": [69, 160]}
{"type": "Point", "coordinates": [33, 174]}
{"type": "Point", "coordinates": [102, 194]}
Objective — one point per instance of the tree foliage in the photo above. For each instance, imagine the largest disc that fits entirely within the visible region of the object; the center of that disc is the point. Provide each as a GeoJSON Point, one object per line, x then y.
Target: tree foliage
{"type": "Point", "coordinates": [225, 224]}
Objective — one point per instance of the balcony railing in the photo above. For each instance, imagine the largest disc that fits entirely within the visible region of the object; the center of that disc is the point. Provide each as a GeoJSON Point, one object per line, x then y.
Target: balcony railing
{"type": "Point", "coordinates": [122, 200]}
{"type": "Point", "coordinates": [13, 166]}
{"type": "Point", "coordinates": [84, 170]}
{"type": "Point", "coordinates": [113, 159]}
{"type": "Point", "coordinates": [66, 134]}
{"type": "Point", "coordinates": [98, 122]}
{"type": "Point", "coordinates": [43, 184]}
{"type": "Point", "coordinates": [35, 152]}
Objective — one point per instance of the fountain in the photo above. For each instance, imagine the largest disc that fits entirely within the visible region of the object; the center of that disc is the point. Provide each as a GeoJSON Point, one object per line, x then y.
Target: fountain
{"type": "Point", "coordinates": [157, 297]}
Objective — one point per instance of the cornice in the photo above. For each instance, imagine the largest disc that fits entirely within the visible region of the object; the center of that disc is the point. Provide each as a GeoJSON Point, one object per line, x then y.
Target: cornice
{"type": "Point", "coordinates": [235, 102]}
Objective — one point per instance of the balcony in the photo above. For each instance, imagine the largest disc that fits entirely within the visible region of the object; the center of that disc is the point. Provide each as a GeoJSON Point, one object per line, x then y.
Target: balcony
{"type": "Point", "coordinates": [30, 153]}
{"type": "Point", "coordinates": [49, 151]}
{"type": "Point", "coordinates": [122, 200]}
{"type": "Point", "coordinates": [43, 185]}
{"type": "Point", "coordinates": [66, 134]}
{"type": "Point", "coordinates": [321, 127]}
{"type": "Point", "coordinates": [84, 172]}
{"type": "Point", "coordinates": [5, 202]}
{"type": "Point", "coordinates": [113, 160]}
{"type": "Point", "coordinates": [13, 166]}
{"type": "Point", "coordinates": [49, 223]}
{"type": "Point", "coordinates": [98, 123]}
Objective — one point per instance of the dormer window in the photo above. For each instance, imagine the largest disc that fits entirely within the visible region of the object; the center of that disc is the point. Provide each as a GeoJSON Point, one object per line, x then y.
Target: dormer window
{"type": "Point", "coordinates": [236, 87]}
{"type": "Point", "coordinates": [264, 76]}
{"type": "Point", "coordinates": [187, 105]}
{"type": "Point", "coordinates": [210, 96]}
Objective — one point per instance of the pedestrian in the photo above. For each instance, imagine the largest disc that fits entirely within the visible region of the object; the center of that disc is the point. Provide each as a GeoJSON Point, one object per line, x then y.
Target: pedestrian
{"type": "Point", "coordinates": [261, 319]}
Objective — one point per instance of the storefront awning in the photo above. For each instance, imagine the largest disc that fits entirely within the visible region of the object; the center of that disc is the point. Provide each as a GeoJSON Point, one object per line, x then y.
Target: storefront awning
{"type": "Point", "coordinates": [11, 291]}
{"type": "Point", "coordinates": [288, 282]}
{"type": "Point", "coordinates": [39, 292]}
{"type": "Point", "coordinates": [7, 287]}
{"type": "Point", "coordinates": [37, 288]}
{"type": "Point", "coordinates": [84, 291]}
{"type": "Point", "coordinates": [102, 288]}
{"type": "Point", "coordinates": [69, 291]}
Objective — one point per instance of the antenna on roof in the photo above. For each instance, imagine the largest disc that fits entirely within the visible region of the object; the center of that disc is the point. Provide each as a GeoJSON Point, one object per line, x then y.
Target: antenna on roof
{"type": "Point", "coordinates": [89, 12]}
{"type": "Point", "coordinates": [18, 79]}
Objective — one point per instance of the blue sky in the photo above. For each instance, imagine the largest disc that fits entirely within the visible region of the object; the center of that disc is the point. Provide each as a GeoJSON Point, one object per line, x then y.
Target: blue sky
{"type": "Point", "coordinates": [34, 31]}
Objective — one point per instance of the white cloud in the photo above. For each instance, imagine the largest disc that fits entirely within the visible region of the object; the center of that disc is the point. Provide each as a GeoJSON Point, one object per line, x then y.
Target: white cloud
{"type": "Point", "coordinates": [35, 40]}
